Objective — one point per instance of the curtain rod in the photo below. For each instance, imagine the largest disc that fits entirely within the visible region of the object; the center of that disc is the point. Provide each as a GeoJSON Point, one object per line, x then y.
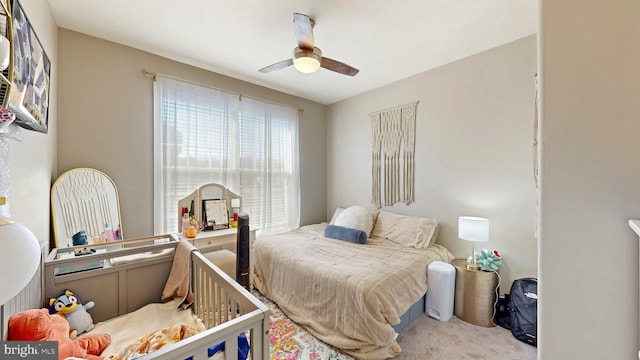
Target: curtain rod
{"type": "Point", "coordinates": [240, 95]}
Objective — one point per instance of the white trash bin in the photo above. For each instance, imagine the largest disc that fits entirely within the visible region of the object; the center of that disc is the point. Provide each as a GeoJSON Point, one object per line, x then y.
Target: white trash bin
{"type": "Point", "coordinates": [441, 281]}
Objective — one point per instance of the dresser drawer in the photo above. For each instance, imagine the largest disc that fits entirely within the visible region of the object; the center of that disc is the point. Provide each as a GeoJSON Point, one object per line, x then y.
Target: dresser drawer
{"type": "Point", "coordinates": [213, 243]}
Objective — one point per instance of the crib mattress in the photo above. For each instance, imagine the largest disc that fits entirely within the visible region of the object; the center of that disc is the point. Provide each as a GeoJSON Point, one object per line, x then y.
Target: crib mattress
{"type": "Point", "coordinates": [128, 327]}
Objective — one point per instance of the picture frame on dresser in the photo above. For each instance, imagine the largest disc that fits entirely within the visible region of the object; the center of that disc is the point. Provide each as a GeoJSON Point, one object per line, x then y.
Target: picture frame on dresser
{"type": "Point", "coordinates": [30, 74]}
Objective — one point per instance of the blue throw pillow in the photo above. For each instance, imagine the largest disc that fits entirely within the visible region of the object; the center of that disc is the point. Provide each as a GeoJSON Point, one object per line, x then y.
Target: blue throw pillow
{"type": "Point", "coordinates": [355, 236]}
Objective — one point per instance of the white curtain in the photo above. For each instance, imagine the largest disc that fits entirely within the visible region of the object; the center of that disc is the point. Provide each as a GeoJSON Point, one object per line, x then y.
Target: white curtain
{"type": "Point", "coordinates": [204, 135]}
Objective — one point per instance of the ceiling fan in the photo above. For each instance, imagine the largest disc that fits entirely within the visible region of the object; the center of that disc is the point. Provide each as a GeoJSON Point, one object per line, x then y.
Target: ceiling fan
{"type": "Point", "coordinates": [306, 57]}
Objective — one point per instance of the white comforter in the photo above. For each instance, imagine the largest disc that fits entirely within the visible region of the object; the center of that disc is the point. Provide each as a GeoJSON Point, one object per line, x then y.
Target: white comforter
{"type": "Point", "coordinates": [348, 295]}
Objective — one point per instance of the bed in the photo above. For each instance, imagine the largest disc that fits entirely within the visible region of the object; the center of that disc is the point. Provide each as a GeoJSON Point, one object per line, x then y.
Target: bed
{"type": "Point", "coordinates": [128, 283]}
{"type": "Point", "coordinates": [350, 295]}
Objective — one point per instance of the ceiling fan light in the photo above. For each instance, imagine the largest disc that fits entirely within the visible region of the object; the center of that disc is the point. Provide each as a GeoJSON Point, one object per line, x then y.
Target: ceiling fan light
{"type": "Point", "coordinates": [306, 65]}
{"type": "Point", "coordinates": [307, 61]}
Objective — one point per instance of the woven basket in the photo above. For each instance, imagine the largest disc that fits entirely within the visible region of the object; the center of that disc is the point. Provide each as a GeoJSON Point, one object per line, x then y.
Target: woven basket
{"type": "Point", "coordinates": [475, 295]}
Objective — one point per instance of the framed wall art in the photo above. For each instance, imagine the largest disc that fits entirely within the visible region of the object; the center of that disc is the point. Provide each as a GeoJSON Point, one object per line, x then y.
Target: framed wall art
{"type": "Point", "coordinates": [30, 74]}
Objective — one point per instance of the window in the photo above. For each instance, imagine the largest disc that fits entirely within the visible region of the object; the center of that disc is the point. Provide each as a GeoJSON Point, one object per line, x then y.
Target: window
{"type": "Point", "coordinates": [204, 135]}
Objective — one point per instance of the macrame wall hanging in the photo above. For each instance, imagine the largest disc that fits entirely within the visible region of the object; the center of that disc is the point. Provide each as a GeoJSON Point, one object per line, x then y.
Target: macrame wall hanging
{"type": "Point", "coordinates": [393, 146]}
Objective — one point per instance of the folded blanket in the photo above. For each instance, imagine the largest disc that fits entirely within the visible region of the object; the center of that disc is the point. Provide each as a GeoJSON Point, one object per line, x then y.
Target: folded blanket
{"type": "Point", "coordinates": [179, 281]}
{"type": "Point", "coordinates": [356, 236]}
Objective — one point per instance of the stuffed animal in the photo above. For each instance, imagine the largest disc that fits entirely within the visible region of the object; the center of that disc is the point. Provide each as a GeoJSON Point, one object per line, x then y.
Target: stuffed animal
{"type": "Point", "coordinates": [69, 306]}
{"type": "Point", "coordinates": [40, 325]}
{"type": "Point", "coordinates": [489, 260]}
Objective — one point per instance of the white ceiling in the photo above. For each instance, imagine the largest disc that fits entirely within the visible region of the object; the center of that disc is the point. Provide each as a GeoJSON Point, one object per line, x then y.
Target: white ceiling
{"type": "Point", "coordinates": [387, 40]}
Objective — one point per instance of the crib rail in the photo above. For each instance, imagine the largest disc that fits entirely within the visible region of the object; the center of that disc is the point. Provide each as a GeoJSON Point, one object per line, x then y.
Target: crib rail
{"type": "Point", "coordinates": [227, 310]}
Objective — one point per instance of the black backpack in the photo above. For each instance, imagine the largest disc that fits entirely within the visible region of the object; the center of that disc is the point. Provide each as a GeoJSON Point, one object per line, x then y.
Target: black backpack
{"type": "Point", "coordinates": [523, 310]}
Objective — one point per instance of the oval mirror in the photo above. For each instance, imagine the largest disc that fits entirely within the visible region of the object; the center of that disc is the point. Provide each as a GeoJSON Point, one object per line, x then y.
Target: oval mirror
{"type": "Point", "coordinates": [84, 199]}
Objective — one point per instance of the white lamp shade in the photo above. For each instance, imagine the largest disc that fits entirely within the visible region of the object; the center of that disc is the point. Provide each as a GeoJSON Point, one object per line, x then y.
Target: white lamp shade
{"type": "Point", "coordinates": [472, 228]}
{"type": "Point", "coordinates": [5, 53]}
{"type": "Point", "coordinates": [19, 259]}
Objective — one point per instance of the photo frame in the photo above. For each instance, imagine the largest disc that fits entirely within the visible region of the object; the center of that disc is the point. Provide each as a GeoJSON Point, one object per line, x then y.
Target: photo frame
{"type": "Point", "coordinates": [30, 74]}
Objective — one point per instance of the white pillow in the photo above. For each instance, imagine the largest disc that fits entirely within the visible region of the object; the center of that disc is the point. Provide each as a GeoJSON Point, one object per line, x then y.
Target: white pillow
{"type": "Point", "coordinates": [335, 215]}
{"type": "Point", "coordinates": [355, 217]}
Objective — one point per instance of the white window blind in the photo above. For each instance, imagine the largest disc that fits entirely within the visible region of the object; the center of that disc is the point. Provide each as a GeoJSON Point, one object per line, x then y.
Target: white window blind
{"type": "Point", "coordinates": [204, 135]}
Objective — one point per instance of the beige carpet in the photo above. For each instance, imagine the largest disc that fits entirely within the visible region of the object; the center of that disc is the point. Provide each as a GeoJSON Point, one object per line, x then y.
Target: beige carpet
{"type": "Point", "coordinates": [426, 338]}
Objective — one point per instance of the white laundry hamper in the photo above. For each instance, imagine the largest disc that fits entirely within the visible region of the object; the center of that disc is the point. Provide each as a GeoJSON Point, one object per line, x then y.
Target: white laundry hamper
{"type": "Point", "coordinates": [441, 280]}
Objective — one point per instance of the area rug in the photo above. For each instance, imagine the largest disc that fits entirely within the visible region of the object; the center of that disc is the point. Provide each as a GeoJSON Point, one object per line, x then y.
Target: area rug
{"type": "Point", "coordinates": [289, 341]}
{"type": "Point", "coordinates": [424, 338]}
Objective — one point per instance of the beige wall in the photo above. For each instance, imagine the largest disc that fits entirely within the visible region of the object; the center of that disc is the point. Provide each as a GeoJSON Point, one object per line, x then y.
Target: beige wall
{"type": "Point", "coordinates": [106, 122]}
{"type": "Point", "coordinates": [34, 159]}
{"type": "Point", "coordinates": [473, 150]}
{"type": "Point", "coordinates": [590, 171]}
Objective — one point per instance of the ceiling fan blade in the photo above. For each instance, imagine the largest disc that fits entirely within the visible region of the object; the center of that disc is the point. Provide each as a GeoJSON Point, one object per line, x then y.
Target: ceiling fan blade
{"type": "Point", "coordinates": [303, 28]}
{"type": "Point", "coordinates": [338, 66]}
{"type": "Point", "coordinates": [277, 66]}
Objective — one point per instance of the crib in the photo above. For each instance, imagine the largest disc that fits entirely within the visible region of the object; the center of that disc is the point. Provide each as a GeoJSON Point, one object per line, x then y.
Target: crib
{"type": "Point", "coordinates": [225, 307]}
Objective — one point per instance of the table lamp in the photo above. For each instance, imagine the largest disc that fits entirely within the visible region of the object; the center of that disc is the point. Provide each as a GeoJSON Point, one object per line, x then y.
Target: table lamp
{"type": "Point", "coordinates": [19, 249]}
{"type": "Point", "coordinates": [474, 229]}
{"type": "Point", "coordinates": [19, 257]}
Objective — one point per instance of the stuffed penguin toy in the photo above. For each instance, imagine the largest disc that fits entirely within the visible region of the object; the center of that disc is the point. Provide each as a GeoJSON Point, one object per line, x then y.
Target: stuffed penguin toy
{"type": "Point", "coordinates": [68, 305]}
